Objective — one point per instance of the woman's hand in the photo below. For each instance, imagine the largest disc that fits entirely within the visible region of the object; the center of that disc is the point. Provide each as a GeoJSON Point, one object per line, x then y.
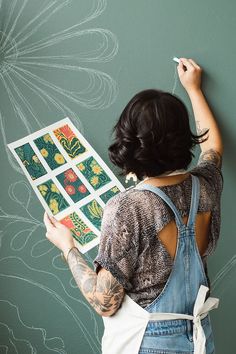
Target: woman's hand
{"type": "Point", "coordinates": [58, 234]}
{"type": "Point", "coordinates": [189, 75]}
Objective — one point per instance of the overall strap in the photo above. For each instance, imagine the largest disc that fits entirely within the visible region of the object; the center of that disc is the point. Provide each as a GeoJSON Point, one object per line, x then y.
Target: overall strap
{"type": "Point", "coordinates": [194, 201]}
{"type": "Point", "coordinates": [163, 196]}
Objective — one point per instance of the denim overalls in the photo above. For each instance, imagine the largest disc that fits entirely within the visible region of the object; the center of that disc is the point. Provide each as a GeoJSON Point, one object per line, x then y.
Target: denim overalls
{"type": "Point", "coordinates": [177, 321]}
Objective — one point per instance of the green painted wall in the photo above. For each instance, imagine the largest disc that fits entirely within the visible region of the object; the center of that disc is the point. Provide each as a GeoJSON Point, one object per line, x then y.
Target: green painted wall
{"type": "Point", "coordinates": [85, 59]}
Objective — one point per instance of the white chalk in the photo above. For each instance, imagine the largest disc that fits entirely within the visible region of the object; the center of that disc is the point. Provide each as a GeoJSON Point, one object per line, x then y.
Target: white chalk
{"type": "Point", "coordinates": [176, 60]}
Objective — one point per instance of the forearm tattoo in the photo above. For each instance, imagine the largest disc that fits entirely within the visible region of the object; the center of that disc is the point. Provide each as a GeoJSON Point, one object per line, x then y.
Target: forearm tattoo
{"type": "Point", "coordinates": [211, 155]}
{"type": "Point", "coordinates": [101, 290]}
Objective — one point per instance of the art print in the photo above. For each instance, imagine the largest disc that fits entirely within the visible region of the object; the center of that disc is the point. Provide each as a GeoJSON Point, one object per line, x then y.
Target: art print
{"type": "Point", "coordinates": [70, 179]}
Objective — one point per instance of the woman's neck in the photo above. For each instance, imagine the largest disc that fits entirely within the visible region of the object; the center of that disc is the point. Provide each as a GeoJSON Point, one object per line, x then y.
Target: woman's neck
{"type": "Point", "coordinates": [167, 174]}
{"type": "Point", "coordinates": [166, 179]}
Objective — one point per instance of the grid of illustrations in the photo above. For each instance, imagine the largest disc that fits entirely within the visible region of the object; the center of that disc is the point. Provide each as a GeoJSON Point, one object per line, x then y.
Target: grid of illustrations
{"type": "Point", "coordinates": [69, 178]}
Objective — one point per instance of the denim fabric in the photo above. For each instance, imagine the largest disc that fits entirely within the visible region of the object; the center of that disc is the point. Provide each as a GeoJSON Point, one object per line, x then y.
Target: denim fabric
{"type": "Point", "coordinates": [180, 291]}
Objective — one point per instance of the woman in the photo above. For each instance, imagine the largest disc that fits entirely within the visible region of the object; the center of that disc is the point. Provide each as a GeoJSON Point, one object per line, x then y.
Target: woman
{"type": "Point", "coordinates": [151, 277]}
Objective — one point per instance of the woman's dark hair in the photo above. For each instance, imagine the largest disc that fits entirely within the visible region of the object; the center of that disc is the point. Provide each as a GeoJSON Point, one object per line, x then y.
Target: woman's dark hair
{"type": "Point", "coordinates": [153, 135]}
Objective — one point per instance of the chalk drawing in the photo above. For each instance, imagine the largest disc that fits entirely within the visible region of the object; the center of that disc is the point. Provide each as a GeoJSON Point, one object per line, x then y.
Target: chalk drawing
{"type": "Point", "coordinates": [18, 61]}
{"type": "Point", "coordinates": [18, 65]}
{"type": "Point", "coordinates": [17, 241]}
{"type": "Point", "coordinates": [223, 279]}
{"type": "Point", "coordinates": [175, 80]}
{"type": "Point", "coordinates": [27, 330]}
{"type": "Point", "coordinates": [92, 338]}
{"type": "Point", "coordinates": [23, 60]}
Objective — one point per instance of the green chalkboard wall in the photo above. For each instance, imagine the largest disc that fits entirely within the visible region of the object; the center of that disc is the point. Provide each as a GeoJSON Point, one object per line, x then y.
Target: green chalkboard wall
{"type": "Point", "coordinates": [85, 59]}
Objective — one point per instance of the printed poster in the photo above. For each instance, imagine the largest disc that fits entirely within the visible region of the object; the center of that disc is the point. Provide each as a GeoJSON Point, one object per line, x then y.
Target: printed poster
{"type": "Point", "coordinates": [70, 179]}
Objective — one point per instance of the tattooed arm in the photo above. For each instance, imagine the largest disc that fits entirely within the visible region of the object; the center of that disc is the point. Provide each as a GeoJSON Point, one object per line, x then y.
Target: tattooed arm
{"type": "Point", "coordinates": [101, 290]}
{"type": "Point", "coordinates": [211, 155]}
{"type": "Point", "coordinates": [190, 77]}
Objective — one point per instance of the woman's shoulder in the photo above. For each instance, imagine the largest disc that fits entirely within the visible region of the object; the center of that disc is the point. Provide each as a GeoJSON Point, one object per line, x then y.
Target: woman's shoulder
{"type": "Point", "coordinates": [209, 168]}
{"type": "Point", "coordinates": [132, 203]}
{"type": "Point", "coordinates": [124, 198]}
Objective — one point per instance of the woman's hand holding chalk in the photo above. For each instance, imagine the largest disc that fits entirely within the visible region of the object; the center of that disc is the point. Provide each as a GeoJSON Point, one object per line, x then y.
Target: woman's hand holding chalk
{"type": "Point", "coordinates": [189, 74]}
{"type": "Point", "coordinates": [177, 60]}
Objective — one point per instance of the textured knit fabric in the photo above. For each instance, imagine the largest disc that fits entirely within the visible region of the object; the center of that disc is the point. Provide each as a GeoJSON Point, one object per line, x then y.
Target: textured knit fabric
{"type": "Point", "coordinates": [130, 248]}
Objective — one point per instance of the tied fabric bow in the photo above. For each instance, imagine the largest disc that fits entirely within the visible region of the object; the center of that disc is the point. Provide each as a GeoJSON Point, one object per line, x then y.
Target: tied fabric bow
{"type": "Point", "coordinates": [201, 308]}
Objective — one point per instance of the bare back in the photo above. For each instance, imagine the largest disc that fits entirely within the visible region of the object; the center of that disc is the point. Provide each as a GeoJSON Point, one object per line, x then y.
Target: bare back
{"type": "Point", "coordinates": [168, 235]}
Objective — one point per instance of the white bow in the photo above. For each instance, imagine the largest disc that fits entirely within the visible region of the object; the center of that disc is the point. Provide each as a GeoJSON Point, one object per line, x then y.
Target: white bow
{"type": "Point", "coordinates": [201, 308]}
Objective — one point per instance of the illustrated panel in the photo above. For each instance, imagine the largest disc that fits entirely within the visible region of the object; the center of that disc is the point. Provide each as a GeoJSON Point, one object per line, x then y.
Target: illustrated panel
{"type": "Point", "coordinates": [93, 211]}
{"type": "Point", "coordinates": [94, 173]}
{"type": "Point", "coordinates": [52, 196]}
{"type": "Point", "coordinates": [69, 141]}
{"type": "Point", "coordinates": [73, 185]}
{"type": "Point", "coordinates": [49, 151]}
{"type": "Point", "coordinates": [31, 161]}
{"type": "Point", "coordinates": [80, 231]}
{"type": "Point", "coordinates": [109, 194]}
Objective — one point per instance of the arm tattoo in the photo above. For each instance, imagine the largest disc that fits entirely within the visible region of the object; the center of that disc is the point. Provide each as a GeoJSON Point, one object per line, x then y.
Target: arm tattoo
{"type": "Point", "coordinates": [211, 155]}
{"type": "Point", "coordinates": [101, 290]}
{"type": "Point", "coordinates": [200, 130]}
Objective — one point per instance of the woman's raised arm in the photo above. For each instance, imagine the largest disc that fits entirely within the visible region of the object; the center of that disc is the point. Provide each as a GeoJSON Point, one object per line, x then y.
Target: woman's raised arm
{"type": "Point", "coordinates": [190, 77]}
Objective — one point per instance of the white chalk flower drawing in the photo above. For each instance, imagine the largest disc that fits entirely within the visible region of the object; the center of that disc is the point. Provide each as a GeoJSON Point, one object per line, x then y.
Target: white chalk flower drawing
{"type": "Point", "coordinates": [38, 60]}
{"type": "Point", "coordinates": [19, 57]}
{"type": "Point", "coordinates": [40, 51]}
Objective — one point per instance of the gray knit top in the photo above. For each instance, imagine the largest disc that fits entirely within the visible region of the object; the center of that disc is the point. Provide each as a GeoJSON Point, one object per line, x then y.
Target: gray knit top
{"type": "Point", "coordinates": [129, 246]}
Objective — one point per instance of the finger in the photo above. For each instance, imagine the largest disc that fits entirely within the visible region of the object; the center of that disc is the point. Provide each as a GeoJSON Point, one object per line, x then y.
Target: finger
{"type": "Point", "coordinates": [47, 219]}
{"type": "Point", "coordinates": [187, 63]}
{"type": "Point", "coordinates": [54, 221]}
{"type": "Point", "coordinates": [48, 235]}
{"type": "Point", "coordinates": [194, 64]}
{"type": "Point", "coordinates": [180, 68]}
{"type": "Point", "coordinates": [47, 222]}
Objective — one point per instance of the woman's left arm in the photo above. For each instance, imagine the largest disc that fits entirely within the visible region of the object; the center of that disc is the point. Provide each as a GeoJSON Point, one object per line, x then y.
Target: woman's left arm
{"type": "Point", "coordinates": [102, 290]}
